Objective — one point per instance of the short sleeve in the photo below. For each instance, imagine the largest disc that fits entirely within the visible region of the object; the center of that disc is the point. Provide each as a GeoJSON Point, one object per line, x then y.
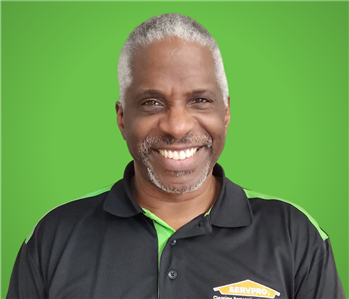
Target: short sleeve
{"type": "Point", "coordinates": [26, 280]}
{"type": "Point", "coordinates": [319, 278]}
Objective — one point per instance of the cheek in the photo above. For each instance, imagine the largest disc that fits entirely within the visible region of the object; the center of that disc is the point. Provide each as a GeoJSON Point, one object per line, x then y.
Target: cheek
{"type": "Point", "coordinates": [136, 130]}
{"type": "Point", "coordinates": [215, 126]}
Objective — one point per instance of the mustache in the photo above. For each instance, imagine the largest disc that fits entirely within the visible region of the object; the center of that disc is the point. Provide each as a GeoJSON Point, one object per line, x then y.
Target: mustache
{"type": "Point", "coordinates": [160, 141]}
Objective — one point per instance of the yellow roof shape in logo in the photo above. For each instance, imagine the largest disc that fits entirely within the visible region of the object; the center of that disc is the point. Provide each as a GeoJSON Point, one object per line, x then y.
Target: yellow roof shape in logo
{"type": "Point", "coordinates": [247, 288]}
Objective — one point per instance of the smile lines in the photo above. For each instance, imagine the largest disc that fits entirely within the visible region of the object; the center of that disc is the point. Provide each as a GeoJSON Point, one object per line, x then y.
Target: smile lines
{"type": "Point", "coordinates": [178, 155]}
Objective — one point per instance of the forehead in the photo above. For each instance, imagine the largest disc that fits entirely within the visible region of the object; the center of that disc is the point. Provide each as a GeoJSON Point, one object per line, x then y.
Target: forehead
{"type": "Point", "coordinates": [173, 64]}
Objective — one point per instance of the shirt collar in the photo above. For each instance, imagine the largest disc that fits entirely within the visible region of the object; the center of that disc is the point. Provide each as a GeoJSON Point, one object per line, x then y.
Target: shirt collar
{"type": "Point", "coordinates": [120, 201]}
{"type": "Point", "coordinates": [232, 208]}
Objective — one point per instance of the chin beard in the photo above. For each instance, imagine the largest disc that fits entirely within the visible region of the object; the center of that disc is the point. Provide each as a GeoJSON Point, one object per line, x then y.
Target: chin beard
{"type": "Point", "coordinates": [181, 189]}
{"type": "Point", "coordinates": [188, 139]}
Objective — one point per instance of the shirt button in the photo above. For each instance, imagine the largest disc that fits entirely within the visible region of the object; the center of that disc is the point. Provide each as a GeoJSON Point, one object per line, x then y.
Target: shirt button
{"type": "Point", "coordinates": [172, 274]}
{"type": "Point", "coordinates": [173, 242]}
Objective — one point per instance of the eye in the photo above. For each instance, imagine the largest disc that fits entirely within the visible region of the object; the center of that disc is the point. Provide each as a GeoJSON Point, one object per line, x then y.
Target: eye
{"type": "Point", "coordinates": [200, 100]}
{"type": "Point", "coordinates": [151, 103]}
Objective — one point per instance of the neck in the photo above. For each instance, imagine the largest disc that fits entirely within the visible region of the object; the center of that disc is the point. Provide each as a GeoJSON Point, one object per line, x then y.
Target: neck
{"type": "Point", "coordinates": [176, 209]}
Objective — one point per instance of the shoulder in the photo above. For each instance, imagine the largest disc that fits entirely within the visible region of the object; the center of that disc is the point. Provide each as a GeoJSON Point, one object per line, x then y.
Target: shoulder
{"type": "Point", "coordinates": [278, 211]}
{"type": "Point", "coordinates": [289, 227]}
{"type": "Point", "coordinates": [63, 218]}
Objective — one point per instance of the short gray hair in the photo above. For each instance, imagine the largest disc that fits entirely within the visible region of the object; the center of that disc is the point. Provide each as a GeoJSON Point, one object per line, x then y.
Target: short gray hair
{"type": "Point", "coordinates": [155, 29]}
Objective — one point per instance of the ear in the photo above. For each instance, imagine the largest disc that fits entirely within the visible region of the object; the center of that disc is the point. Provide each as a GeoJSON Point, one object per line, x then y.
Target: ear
{"type": "Point", "coordinates": [227, 116]}
{"type": "Point", "coordinates": [120, 118]}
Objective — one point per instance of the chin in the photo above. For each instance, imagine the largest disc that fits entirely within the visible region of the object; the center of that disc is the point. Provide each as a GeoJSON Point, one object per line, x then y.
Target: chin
{"type": "Point", "coordinates": [179, 188]}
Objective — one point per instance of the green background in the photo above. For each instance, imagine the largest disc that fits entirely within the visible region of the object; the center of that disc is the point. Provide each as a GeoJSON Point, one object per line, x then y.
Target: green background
{"type": "Point", "coordinates": [287, 70]}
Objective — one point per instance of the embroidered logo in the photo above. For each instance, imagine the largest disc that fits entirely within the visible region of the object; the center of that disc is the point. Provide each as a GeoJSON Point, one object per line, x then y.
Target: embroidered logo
{"type": "Point", "coordinates": [247, 288]}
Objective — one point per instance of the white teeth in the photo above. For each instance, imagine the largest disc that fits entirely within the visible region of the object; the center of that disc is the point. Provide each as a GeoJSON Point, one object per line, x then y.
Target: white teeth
{"type": "Point", "coordinates": [182, 155]}
{"type": "Point", "coordinates": [178, 155]}
{"type": "Point", "coordinates": [175, 155]}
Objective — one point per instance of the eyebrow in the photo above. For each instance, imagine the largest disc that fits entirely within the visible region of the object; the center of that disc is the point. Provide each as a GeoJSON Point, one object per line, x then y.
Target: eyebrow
{"type": "Point", "coordinates": [156, 92]}
{"type": "Point", "coordinates": [199, 92]}
{"type": "Point", "coordinates": [151, 92]}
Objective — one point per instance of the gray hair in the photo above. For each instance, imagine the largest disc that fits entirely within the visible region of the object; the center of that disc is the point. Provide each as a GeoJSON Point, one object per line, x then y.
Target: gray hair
{"type": "Point", "coordinates": [155, 29]}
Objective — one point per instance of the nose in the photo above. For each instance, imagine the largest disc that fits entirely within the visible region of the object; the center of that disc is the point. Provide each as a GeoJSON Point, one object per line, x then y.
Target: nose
{"type": "Point", "coordinates": [177, 122]}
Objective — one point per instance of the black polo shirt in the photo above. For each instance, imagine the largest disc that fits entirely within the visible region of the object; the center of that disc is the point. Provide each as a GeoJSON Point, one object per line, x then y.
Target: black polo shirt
{"type": "Point", "coordinates": [105, 246]}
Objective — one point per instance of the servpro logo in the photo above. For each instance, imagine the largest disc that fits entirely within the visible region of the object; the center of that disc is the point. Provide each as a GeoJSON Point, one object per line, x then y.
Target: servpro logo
{"type": "Point", "coordinates": [247, 288]}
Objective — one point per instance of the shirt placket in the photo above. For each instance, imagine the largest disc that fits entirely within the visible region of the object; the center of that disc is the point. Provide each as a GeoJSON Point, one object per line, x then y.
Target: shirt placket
{"type": "Point", "coordinates": [171, 278]}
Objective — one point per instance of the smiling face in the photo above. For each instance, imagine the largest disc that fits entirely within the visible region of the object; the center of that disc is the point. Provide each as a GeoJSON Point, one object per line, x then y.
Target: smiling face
{"type": "Point", "coordinates": [174, 120]}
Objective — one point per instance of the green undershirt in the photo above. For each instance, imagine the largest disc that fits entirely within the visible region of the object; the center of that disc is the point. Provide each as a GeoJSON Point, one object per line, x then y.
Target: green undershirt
{"type": "Point", "coordinates": [163, 230]}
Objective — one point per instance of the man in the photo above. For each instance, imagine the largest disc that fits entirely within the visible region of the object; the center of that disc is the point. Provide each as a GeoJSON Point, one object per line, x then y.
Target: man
{"type": "Point", "coordinates": [174, 226]}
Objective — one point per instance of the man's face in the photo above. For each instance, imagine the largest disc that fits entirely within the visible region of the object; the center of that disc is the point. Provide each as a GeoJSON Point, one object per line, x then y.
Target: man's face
{"type": "Point", "coordinates": [174, 120]}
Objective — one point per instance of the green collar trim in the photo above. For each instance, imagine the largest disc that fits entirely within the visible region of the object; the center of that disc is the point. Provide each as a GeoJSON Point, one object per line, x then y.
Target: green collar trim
{"type": "Point", "coordinates": [157, 219]}
{"type": "Point", "coordinates": [253, 194]}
